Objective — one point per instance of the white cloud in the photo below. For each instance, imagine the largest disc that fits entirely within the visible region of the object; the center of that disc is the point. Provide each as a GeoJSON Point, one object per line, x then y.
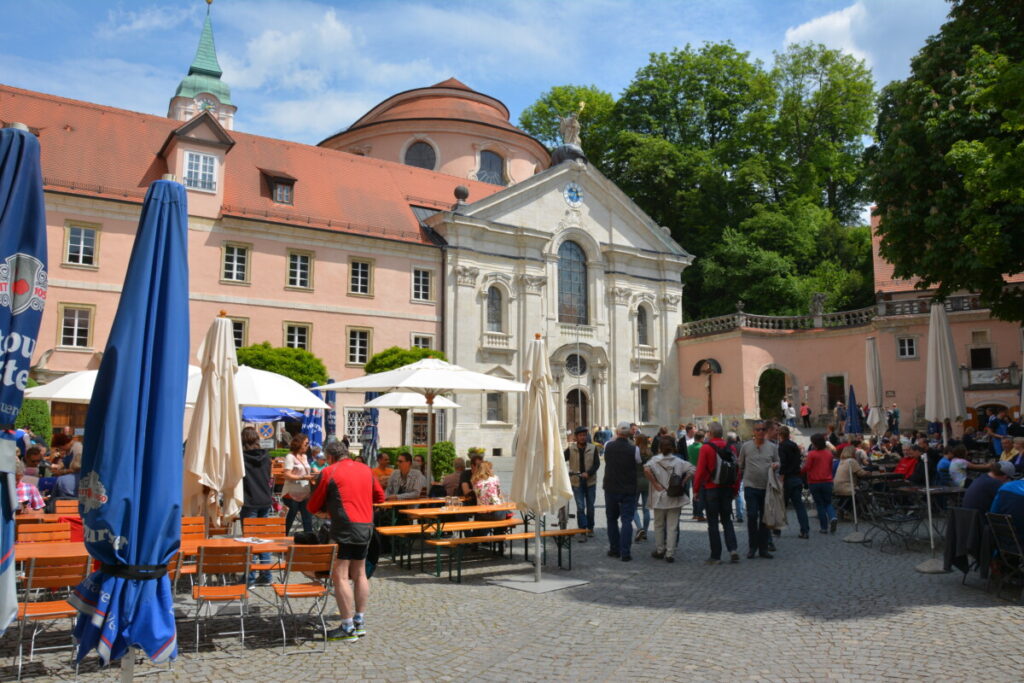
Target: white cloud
{"type": "Point", "coordinates": [312, 119]}
{"type": "Point", "coordinates": [120, 22]}
{"type": "Point", "coordinates": [838, 30]}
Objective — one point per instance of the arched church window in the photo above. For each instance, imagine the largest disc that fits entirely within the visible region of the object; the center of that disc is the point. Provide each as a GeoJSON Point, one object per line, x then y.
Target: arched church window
{"type": "Point", "coordinates": [572, 284]}
{"type": "Point", "coordinates": [420, 155]}
{"type": "Point", "coordinates": [494, 312]}
{"type": "Point", "coordinates": [492, 168]}
{"type": "Point", "coordinates": [643, 337]}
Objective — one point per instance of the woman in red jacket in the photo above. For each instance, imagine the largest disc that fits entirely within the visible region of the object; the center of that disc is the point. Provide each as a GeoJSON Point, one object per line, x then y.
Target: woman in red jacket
{"type": "Point", "coordinates": [818, 468]}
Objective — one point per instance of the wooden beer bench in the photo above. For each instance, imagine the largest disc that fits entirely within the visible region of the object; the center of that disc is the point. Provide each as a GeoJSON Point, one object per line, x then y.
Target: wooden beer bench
{"type": "Point", "coordinates": [563, 539]}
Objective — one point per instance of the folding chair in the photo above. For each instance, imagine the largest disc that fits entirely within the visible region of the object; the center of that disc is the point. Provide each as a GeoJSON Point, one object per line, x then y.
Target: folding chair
{"type": "Point", "coordinates": [65, 507]}
{"type": "Point", "coordinates": [54, 574]}
{"type": "Point", "coordinates": [222, 561]}
{"type": "Point", "coordinates": [191, 528]}
{"type": "Point", "coordinates": [304, 562]}
{"type": "Point", "coordinates": [1008, 545]}
{"type": "Point", "coordinates": [56, 532]}
{"type": "Point", "coordinates": [264, 527]}
{"type": "Point", "coordinates": [891, 518]}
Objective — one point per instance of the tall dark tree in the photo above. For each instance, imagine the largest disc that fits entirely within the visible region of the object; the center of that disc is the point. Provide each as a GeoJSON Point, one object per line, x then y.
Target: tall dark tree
{"type": "Point", "coordinates": [946, 170]}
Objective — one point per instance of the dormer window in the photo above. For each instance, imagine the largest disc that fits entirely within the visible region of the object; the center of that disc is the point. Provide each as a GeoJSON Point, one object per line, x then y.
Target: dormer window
{"type": "Point", "coordinates": [200, 171]}
{"type": "Point", "coordinates": [282, 192]}
{"type": "Point", "coordinates": [492, 168]}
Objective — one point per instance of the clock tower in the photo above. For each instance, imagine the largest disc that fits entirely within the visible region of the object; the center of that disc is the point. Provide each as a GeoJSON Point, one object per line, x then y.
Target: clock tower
{"type": "Point", "coordinates": [202, 89]}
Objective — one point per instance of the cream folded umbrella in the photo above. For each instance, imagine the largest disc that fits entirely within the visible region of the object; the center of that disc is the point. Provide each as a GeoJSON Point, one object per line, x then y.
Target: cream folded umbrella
{"type": "Point", "coordinates": [876, 416]}
{"type": "Point", "coordinates": [214, 465]}
{"type": "Point", "coordinates": [540, 481]}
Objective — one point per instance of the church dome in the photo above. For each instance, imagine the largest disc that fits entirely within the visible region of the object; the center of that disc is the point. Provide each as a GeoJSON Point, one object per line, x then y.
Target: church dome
{"type": "Point", "coordinates": [456, 129]}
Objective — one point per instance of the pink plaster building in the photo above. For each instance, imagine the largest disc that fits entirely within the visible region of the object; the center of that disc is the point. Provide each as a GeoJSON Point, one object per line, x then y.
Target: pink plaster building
{"type": "Point", "coordinates": [820, 355]}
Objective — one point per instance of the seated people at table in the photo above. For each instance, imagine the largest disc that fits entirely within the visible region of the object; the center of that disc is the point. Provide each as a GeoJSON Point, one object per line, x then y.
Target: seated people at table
{"type": "Point", "coordinates": [317, 460]}
{"type": "Point", "coordinates": [959, 464]}
{"type": "Point", "coordinates": [73, 455]}
{"type": "Point", "coordinates": [1009, 500]}
{"type": "Point", "coordinates": [487, 489]}
{"type": "Point", "coordinates": [35, 462]}
{"type": "Point", "coordinates": [1013, 451]}
{"type": "Point", "coordinates": [450, 482]}
{"type": "Point", "coordinates": [908, 463]}
{"type": "Point", "coordinates": [982, 490]}
{"type": "Point", "coordinates": [942, 475]}
{"type": "Point", "coordinates": [466, 479]}
{"type": "Point", "coordinates": [406, 482]}
{"type": "Point", "coordinates": [849, 467]}
{"type": "Point", "coordinates": [383, 469]}
{"type": "Point", "coordinates": [28, 494]}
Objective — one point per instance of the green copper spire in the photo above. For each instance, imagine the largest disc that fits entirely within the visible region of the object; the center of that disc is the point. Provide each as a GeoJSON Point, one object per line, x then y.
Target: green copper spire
{"type": "Point", "coordinates": [205, 72]}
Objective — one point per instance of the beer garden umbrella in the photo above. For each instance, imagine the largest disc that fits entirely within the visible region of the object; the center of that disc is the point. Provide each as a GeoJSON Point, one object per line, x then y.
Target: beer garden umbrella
{"type": "Point", "coordinates": [22, 296]}
{"type": "Point", "coordinates": [429, 377]}
{"type": "Point", "coordinates": [130, 490]}
{"type": "Point", "coordinates": [853, 417]}
{"type": "Point", "coordinates": [214, 466]}
{"type": "Point", "coordinates": [873, 370]}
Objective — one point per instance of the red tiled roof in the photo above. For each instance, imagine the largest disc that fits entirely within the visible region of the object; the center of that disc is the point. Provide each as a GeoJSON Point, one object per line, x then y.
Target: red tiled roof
{"type": "Point", "coordinates": [92, 150]}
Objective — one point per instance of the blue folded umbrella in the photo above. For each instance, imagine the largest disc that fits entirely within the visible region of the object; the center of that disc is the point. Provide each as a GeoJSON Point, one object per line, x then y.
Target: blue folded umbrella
{"type": "Point", "coordinates": [853, 425]}
{"type": "Point", "coordinates": [131, 478]}
{"type": "Point", "coordinates": [313, 422]}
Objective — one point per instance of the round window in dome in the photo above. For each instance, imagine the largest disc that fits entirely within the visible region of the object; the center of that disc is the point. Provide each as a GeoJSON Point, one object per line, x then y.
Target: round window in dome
{"type": "Point", "coordinates": [575, 365]}
{"type": "Point", "coordinates": [420, 155]}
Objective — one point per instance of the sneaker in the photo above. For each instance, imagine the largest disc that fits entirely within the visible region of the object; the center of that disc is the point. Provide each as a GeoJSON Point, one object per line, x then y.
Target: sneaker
{"type": "Point", "coordinates": [771, 547]}
{"type": "Point", "coordinates": [751, 554]}
{"type": "Point", "coordinates": [712, 560]}
{"type": "Point", "coordinates": [359, 627]}
{"type": "Point", "coordinates": [627, 558]}
{"type": "Point", "coordinates": [613, 553]}
{"type": "Point", "coordinates": [832, 525]}
{"type": "Point", "coordinates": [658, 554]}
{"type": "Point", "coordinates": [804, 535]}
{"type": "Point", "coordinates": [670, 559]}
{"type": "Point", "coordinates": [347, 635]}
{"type": "Point", "coordinates": [734, 557]}
{"type": "Point", "coordinates": [767, 556]}
{"type": "Point", "coordinates": [590, 533]}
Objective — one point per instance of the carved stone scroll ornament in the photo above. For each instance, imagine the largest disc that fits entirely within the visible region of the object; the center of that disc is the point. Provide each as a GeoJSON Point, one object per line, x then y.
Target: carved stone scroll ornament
{"type": "Point", "coordinates": [466, 275]}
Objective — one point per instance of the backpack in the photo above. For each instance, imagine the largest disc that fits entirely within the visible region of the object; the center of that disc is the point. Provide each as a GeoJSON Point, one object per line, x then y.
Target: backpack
{"type": "Point", "coordinates": [727, 470]}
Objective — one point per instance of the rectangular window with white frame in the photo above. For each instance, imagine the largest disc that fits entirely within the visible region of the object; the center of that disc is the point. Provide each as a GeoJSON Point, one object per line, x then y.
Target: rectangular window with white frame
{"type": "Point", "coordinates": [283, 193]}
{"type": "Point", "coordinates": [76, 324]}
{"type": "Point", "coordinates": [81, 244]}
{"type": "Point", "coordinates": [297, 336]}
{"type": "Point", "coordinates": [300, 270]}
{"type": "Point", "coordinates": [422, 284]}
{"type": "Point", "coordinates": [200, 171]}
{"type": "Point", "coordinates": [360, 278]}
{"type": "Point", "coordinates": [235, 263]}
{"type": "Point", "coordinates": [906, 347]}
{"type": "Point", "coordinates": [358, 346]}
{"type": "Point", "coordinates": [240, 331]}
{"type": "Point", "coordinates": [423, 341]}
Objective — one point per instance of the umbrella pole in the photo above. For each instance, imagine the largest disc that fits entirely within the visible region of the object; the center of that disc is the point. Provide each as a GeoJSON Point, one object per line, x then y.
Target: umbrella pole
{"type": "Point", "coordinates": [857, 536]}
{"type": "Point", "coordinates": [430, 439]}
{"type": "Point", "coordinates": [932, 565]}
{"type": "Point", "coordinates": [128, 666]}
{"type": "Point", "coordinates": [536, 547]}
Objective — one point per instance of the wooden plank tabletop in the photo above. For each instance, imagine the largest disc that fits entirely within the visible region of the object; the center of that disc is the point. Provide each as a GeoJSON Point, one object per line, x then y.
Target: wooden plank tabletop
{"type": "Point", "coordinates": [409, 501]}
{"type": "Point", "coordinates": [430, 513]}
{"type": "Point", "coordinates": [28, 551]}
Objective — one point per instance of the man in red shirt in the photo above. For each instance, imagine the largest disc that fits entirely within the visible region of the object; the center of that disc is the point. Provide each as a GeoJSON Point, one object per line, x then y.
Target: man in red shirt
{"type": "Point", "coordinates": [348, 490]}
{"type": "Point", "coordinates": [717, 498]}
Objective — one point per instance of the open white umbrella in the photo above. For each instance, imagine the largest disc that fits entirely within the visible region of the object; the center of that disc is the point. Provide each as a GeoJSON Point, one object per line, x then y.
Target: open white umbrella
{"type": "Point", "coordinates": [428, 377]}
{"type": "Point", "coordinates": [214, 465]}
{"type": "Point", "coordinates": [76, 387]}
{"type": "Point", "coordinates": [540, 482]}
{"type": "Point", "coordinates": [264, 389]}
{"type": "Point", "coordinates": [873, 370]}
{"type": "Point", "coordinates": [943, 400]}
{"type": "Point", "coordinates": [397, 400]}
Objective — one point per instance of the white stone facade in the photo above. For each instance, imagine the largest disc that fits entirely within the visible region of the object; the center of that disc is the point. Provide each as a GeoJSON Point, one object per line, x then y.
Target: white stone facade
{"type": "Point", "coordinates": [510, 241]}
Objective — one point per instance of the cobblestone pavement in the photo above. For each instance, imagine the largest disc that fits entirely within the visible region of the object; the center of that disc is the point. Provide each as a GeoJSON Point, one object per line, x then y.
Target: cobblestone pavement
{"type": "Point", "coordinates": [821, 610]}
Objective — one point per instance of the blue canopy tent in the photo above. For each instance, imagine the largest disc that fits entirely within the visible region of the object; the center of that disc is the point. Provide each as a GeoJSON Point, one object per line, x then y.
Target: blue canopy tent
{"type": "Point", "coordinates": [271, 415]}
{"type": "Point", "coordinates": [130, 491]}
{"type": "Point", "coordinates": [853, 416]}
{"type": "Point", "coordinates": [22, 296]}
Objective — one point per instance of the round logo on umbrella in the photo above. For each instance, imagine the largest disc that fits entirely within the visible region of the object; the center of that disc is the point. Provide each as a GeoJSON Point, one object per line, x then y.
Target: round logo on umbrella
{"type": "Point", "coordinates": [91, 492]}
{"type": "Point", "coordinates": [22, 283]}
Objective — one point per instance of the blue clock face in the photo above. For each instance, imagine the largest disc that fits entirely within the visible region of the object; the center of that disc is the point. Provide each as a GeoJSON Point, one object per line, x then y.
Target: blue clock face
{"type": "Point", "coordinates": [573, 194]}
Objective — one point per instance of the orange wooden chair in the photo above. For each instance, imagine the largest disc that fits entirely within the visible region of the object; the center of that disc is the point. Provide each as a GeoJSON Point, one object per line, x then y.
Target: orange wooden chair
{"type": "Point", "coordinates": [191, 528]}
{"type": "Point", "coordinates": [264, 527]}
{"type": "Point", "coordinates": [222, 561]}
{"type": "Point", "coordinates": [65, 507]}
{"type": "Point", "coordinates": [54, 532]}
{"type": "Point", "coordinates": [302, 562]}
{"type": "Point", "coordinates": [55, 575]}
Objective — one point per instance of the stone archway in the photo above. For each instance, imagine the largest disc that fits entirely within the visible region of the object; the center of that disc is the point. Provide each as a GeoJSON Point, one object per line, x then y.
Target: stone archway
{"type": "Point", "coordinates": [771, 387]}
{"type": "Point", "coordinates": [577, 409]}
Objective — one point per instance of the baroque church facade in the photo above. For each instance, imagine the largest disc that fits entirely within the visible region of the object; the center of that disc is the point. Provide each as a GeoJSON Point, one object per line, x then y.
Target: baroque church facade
{"type": "Point", "coordinates": [431, 221]}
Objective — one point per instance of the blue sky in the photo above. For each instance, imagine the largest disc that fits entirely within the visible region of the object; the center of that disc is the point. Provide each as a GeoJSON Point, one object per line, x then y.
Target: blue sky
{"type": "Point", "coordinates": [302, 69]}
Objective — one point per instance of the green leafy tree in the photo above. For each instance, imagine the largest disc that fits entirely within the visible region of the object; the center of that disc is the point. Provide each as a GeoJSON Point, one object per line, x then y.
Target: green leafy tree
{"type": "Point", "coordinates": [298, 364]}
{"type": "Point", "coordinates": [35, 415]}
{"type": "Point", "coordinates": [946, 170]}
{"type": "Point", "coordinates": [541, 119]}
{"type": "Point", "coordinates": [395, 357]}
